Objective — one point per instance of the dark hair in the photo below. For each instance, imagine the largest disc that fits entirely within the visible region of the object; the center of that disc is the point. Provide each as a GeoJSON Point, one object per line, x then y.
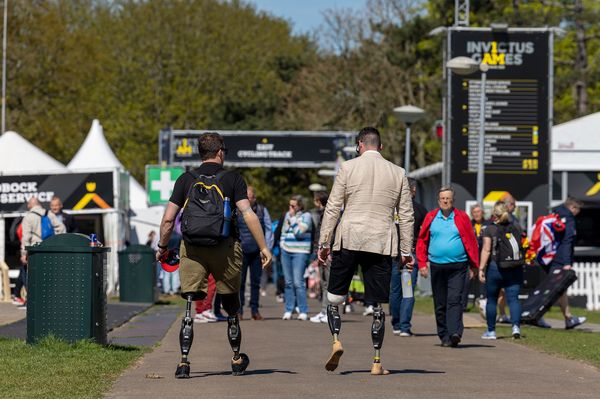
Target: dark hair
{"type": "Point", "coordinates": [209, 145]}
{"type": "Point", "coordinates": [572, 201]}
{"type": "Point", "coordinates": [369, 136]}
{"type": "Point", "coordinates": [412, 182]}
{"type": "Point", "coordinates": [322, 197]}
{"type": "Point", "coordinates": [299, 201]}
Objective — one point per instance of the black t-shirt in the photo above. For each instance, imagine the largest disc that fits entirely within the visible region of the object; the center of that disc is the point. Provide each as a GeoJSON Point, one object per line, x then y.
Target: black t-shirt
{"type": "Point", "coordinates": [493, 230]}
{"type": "Point", "coordinates": [231, 183]}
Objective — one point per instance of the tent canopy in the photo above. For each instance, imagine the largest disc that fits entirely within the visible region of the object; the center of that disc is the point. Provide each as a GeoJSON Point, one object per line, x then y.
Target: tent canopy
{"type": "Point", "coordinates": [18, 156]}
{"type": "Point", "coordinates": [576, 144]}
{"type": "Point", "coordinates": [95, 153]}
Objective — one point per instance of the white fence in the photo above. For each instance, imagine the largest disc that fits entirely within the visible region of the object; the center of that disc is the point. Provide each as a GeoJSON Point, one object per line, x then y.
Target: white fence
{"type": "Point", "coordinates": [588, 283]}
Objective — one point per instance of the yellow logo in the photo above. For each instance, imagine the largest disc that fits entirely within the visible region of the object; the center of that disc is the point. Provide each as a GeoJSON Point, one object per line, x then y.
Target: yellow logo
{"type": "Point", "coordinates": [91, 196]}
{"type": "Point", "coordinates": [184, 149]}
{"type": "Point", "coordinates": [595, 188]}
{"type": "Point", "coordinates": [264, 140]}
{"type": "Point", "coordinates": [494, 57]}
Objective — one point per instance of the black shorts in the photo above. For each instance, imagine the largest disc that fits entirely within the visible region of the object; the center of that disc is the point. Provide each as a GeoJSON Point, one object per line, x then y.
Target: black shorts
{"type": "Point", "coordinates": [376, 269]}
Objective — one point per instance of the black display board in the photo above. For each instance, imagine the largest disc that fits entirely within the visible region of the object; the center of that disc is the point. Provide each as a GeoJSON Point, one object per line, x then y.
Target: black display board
{"type": "Point", "coordinates": [78, 191]}
{"type": "Point", "coordinates": [517, 113]}
{"type": "Point", "coordinates": [260, 149]}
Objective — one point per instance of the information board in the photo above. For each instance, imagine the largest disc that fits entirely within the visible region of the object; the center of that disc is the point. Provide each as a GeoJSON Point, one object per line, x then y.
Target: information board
{"type": "Point", "coordinates": [517, 112]}
{"type": "Point", "coordinates": [78, 191]}
{"type": "Point", "coordinates": [260, 149]}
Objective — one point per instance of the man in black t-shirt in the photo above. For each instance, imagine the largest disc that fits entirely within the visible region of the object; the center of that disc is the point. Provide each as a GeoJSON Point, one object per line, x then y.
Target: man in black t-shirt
{"type": "Point", "coordinates": [223, 261]}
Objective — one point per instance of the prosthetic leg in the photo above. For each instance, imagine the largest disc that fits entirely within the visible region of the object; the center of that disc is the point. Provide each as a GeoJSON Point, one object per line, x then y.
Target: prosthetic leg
{"type": "Point", "coordinates": [377, 334]}
{"type": "Point", "coordinates": [335, 324]}
{"type": "Point", "coordinates": [240, 361]}
{"type": "Point", "coordinates": [186, 337]}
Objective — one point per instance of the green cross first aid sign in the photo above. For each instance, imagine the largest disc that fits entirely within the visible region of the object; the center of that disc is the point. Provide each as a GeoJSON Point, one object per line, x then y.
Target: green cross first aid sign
{"type": "Point", "coordinates": [160, 182]}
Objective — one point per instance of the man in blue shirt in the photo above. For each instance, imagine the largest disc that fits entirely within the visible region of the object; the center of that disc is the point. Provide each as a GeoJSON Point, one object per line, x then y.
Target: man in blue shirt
{"type": "Point", "coordinates": [252, 254]}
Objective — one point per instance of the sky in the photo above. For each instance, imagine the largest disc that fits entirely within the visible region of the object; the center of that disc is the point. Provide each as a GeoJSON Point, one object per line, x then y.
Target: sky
{"type": "Point", "coordinates": [304, 14]}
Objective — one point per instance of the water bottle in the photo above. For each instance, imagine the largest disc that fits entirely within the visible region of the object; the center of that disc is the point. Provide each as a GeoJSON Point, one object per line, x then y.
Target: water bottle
{"type": "Point", "coordinates": [407, 291]}
{"type": "Point", "coordinates": [226, 217]}
{"type": "Point", "coordinates": [93, 240]}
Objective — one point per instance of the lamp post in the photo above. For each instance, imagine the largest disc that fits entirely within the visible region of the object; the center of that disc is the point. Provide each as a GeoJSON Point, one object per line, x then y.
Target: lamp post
{"type": "Point", "coordinates": [4, 67]}
{"type": "Point", "coordinates": [408, 114]}
{"type": "Point", "coordinates": [467, 66]}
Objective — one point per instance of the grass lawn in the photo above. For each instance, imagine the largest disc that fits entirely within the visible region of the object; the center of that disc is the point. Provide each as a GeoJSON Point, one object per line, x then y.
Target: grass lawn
{"type": "Point", "coordinates": [573, 344]}
{"type": "Point", "coordinates": [56, 369]}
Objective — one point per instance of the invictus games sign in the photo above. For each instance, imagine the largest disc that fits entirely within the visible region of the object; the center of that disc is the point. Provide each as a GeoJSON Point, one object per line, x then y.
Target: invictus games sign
{"type": "Point", "coordinates": [517, 114]}
{"type": "Point", "coordinates": [260, 149]}
{"type": "Point", "coordinates": [78, 191]}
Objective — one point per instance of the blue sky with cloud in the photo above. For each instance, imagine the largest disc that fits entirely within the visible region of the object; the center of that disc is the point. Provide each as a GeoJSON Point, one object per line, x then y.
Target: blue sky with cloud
{"type": "Point", "coordinates": [305, 15]}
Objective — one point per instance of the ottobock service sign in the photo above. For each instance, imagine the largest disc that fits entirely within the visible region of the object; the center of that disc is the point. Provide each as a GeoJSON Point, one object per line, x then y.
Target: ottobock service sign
{"type": "Point", "coordinates": [518, 110]}
{"type": "Point", "coordinates": [259, 149]}
{"type": "Point", "coordinates": [78, 191]}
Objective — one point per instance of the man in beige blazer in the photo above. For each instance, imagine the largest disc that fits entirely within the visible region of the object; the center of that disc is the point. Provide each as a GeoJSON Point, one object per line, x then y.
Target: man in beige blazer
{"type": "Point", "coordinates": [371, 191]}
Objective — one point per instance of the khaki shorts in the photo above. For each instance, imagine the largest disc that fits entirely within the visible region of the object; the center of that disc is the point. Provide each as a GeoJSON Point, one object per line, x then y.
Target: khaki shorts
{"type": "Point", "coordinates": [223, 261]}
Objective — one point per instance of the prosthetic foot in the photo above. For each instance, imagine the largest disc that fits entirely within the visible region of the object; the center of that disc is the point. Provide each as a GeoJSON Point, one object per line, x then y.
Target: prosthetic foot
{"type": "Point", "coordinates": [377, 369]}
{"type": "Point", "coordinates": [334, 359]}
{"type": "Point", "coordinates": [240, 361]}
{"type": "Point", "coordinates": [183, 370]}
{"type": "Point", "coordinates": [377, 334]}
{"type": "Point", "coordinates": [335, 323]}
{"type": "Point", "coordinates": [239, 366]}
{"type": "Point", "coordinates": [186, 337]}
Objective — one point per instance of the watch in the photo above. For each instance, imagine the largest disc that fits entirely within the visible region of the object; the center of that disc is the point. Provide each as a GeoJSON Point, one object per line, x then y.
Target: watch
{"type": "Point", "coordinates": [324, 246]}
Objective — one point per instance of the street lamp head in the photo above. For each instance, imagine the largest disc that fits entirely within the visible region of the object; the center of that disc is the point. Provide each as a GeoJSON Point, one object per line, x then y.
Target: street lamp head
{"type": "Point", "coordinates": [327, 172]}
{"type": "Point", "coordinates": [409, 114]}
{"type": "Point", "coordinates": [463, 65]}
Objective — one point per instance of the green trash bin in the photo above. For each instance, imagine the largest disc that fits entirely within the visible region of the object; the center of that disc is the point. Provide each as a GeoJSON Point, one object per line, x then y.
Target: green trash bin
{"type": "Point", "coordinates": [66, 289]}
{"type": "Point", "coordinates": [137, 275]}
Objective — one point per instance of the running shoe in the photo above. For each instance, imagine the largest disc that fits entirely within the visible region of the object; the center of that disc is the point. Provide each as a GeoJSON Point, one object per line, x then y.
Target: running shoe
{"type": "Point", "coordinates": [368, 310]}
{"type": "Point", "coordinates": [574, 322]}
{"type": "Point", "coordinates": [319, 318]}
{"type": "Point", "coordinates": [489, 335]}
{"type": "Point", "coordinates": [516, 332]}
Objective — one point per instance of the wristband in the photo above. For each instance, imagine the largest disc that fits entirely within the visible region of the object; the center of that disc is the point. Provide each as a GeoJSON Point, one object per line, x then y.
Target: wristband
{"type": "Point", "coordinates": [162, 246]}
{"type": "Point", "coordinates": [324, 246]}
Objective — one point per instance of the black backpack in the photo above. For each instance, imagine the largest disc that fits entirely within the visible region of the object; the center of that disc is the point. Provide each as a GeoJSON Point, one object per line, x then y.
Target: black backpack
{"type": "Point", "coordinates": [202, 217]}
{"type": "Point", "coordinates": [507, 246]}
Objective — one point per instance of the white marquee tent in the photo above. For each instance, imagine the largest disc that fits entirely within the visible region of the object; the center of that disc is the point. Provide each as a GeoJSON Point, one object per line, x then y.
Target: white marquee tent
{"type": "Point", "coordinates": [576, 144]}
{"type": "Point", "coordinates": [95, 153]}
{"type": "Point", "coordinates": [18, 156]}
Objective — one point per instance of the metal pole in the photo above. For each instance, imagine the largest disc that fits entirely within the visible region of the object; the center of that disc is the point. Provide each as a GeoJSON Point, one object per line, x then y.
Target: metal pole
{"type": "Point", "coordinates": [407, 149]}
{"type": "Point", "coordinates": [481, 152]}
{"type": "Point", "coordinates": [4, 67]}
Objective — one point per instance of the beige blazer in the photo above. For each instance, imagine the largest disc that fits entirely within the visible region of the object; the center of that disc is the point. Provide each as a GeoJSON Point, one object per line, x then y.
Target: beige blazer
{"type": "Point", "coordinates": [370, 190]}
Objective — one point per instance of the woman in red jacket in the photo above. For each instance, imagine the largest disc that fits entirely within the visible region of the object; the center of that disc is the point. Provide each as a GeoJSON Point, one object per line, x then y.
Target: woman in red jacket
{"type": "Point", "coordinates": [447, 244]}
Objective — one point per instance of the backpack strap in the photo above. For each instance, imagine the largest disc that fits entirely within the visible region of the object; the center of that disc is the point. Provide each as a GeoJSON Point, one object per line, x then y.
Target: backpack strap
{"type": "Point", "coordinates": [194, 174]}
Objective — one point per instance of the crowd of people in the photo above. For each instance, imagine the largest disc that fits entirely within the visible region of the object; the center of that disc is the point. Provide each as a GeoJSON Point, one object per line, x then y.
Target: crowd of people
{"type": "Point", "coordinates": [369, 225]}
{"type": "Point", "coordinates": [37, 225]}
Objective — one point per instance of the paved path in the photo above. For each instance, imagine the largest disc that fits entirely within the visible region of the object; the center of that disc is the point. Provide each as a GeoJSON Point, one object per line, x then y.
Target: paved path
{"type": "Point", "coordinates": [287, 360]}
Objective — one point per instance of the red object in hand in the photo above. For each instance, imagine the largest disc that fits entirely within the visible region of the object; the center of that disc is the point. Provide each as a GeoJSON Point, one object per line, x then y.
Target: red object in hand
{"type": "Point", "coordinates": [169, 261]}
